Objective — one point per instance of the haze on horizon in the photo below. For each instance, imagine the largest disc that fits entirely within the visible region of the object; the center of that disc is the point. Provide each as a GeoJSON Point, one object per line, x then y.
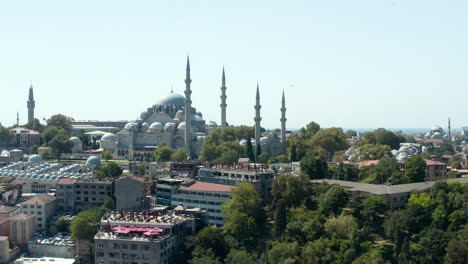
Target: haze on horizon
{"type": "Point", "coordinates": [390, 64]}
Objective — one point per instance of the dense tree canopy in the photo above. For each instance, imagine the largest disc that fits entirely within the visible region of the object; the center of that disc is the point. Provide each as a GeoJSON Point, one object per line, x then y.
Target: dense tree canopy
{"type": "Point", "coordinates": [383, 137]}
{"type": "Point", "coordinates": [60, 121]}
{"type": "Point", "coordinates": [162, 153]}
{"type": "Point", "coordinates": [6, 136]}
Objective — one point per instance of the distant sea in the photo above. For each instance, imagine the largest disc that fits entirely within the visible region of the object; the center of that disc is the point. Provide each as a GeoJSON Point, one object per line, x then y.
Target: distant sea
{"type": "Point", "coordinates": [408, 131]}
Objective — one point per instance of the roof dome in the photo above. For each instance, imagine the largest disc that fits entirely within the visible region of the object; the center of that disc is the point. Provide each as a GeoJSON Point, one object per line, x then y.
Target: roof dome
{"type": "Point", "coordinates": [181, 125]}
{"type": "Point", "coordinates": [169, 127]}
{"type": "Point", "coordinates": [109, 137]}
{"type": "Point", "coordinates": [5, 153]}
{"type": "Point", "coordinates": [156, 125]}
{"type": "Point", "coordinates": [131, 126]}
{"type": "Point", "coordinates": [263, 140]}
{"type": "Point", "coordinates": [436, 128]}
{"type": "Point", "coordinates": [402, 157]}
{"type": "Point", "coordinates": [200, 138]}
{"type": "Point", "coordinates": [243, 142]}
{"type": "Point", "coordinates": [75, 139]}
{"type": "Point", "coordinates": [35, 158]}
{"type": "Point", "coordinates": [172, 99]}
{"type": "Point", "coordinates": [93, 161]}
{"type": "Point", "coordinates": [144, 125]}
{"type": "Point", "coordinates": [196, 117]}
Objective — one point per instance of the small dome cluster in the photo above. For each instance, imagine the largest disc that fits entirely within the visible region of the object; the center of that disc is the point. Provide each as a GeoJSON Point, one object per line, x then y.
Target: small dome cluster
{"type": "Point", "coordinates": [405, 151]}
{"type": "Point", "coordinates": [436, 133]}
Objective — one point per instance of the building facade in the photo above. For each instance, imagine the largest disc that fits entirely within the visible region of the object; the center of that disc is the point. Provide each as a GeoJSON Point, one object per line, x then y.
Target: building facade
{"type": "Point", "coordinates": [261, 178]}
{"type": "Point", "coordinates": [142, 238]}
{"type": "Point", "coordinates": [74, 195]}
{"type": "Point", "coordinates": [129, 192]}
{"type": "Point", "coordinates": [22, 228]}
{"type": "Point", "coordinates": [43, 207]}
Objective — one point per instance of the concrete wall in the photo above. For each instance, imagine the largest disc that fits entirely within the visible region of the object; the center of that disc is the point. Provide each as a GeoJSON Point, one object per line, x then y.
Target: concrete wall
{"type": "Point", "coordinates": [52, 250]}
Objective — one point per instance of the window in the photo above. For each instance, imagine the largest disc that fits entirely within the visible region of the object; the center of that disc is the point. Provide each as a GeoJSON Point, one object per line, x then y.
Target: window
{"type": "Point", "coordinates": [134, 247]}
{"type": "Point", "coordinates": [100, 245]}
{"type": "Point", "coordinates": [116, 246]}
{"type": "Point", "coordinates": [100, 254]}
{"type": "Point", "coordinates": [146, 247]}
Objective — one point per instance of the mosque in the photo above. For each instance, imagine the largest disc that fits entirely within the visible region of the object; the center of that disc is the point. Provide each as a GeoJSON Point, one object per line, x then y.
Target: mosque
{"type": "Point", "coordinates": [173, 120]}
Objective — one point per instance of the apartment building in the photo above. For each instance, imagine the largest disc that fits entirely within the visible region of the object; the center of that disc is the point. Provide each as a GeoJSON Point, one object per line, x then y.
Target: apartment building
{"type": "Point", "coordinates": [43, 207]}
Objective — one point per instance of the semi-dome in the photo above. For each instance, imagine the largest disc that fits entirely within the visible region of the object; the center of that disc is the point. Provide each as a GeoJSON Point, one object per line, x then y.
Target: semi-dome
{"type": "Point", "coordinates": [93, 161]}
{"type": "Point", "coordinates": [156, 125]}
{"type": "Point", "coordinates": [196, 118]}
{"type": "Point", "coordinates": [75, 139]}
{"type": "Point", "coordinates": [130, 126]}
{"type": "Point", "coordinates": [145, 125]}
{"type": "Point", "coordinates": [35, 158]}
{"type": "Point", "coordinates": [181, 125]}
{"type": "Point", "coordinates": [109, 137]}
{"type": "Point", "coordinates": [169, 127]}
{"type": "Point", "coordinates": [172, 99]}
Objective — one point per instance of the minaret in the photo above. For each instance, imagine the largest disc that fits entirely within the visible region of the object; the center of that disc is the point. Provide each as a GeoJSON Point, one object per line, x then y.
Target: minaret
{"type": "Point", "coordinates": [449, 132]}
{"type": "Point", "coordinates": [188, 109]}
{"type": "Point", "coordinates": [283, 123]}
{"type": "Point", "coordinates": [223, 101]}
{"type": "Point", "coordinates": [17, 119]}
{"type": "Point", "coordinates": [257, 119]}
{"type": "Point", "coordinates": [31, 104]}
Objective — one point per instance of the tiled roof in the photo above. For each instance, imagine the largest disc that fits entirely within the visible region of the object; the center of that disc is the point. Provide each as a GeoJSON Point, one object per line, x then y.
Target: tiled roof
{"type": "Point", "coordinates": [7, 209]}
{"type": "Point", "coordinates": [136, 178]}
{"type": "Point", "coordinates": [433, 162]}
{"type": "Point", "coordinates": [40, 199]}
{"type": "Point", "coordinates": [66, 181]}
{"type": "Point", "coordinates": [4, 219]}
{"type": "Point", "coordinates": [366, 163]}
{"type": "Point", "coordinates": [208, 187]}
{"type": "Point", "coordinates": [21, 217]}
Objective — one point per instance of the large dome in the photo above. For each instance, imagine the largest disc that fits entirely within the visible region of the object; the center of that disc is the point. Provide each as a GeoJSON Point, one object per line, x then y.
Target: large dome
{"type": "Point", "coordinates": [93, 161]}
{"type": "Point", "coordinates": [35, 159]}
{"type": "Point", "coordinates": [172, 99]}
{"type": "Point", "coordinates": [109, 137]}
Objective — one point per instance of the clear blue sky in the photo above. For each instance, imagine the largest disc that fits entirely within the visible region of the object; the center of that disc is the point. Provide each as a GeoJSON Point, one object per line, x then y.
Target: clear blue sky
{"type": "Point", "coordinates": [374, 63]}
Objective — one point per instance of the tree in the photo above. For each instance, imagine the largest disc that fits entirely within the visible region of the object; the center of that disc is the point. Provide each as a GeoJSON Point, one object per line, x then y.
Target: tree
{"type": "Point", "coordinates": [284, 252]}
{"type": "Point", "coordinates": [244, 213]}
{"type": "Point", "coordinates": [372, 207]}
{"type": "Point", "coordinates": [36, 125]}
{"type": "Point", "coordinates": [50, 132]}
{"type": "Point", "coordinates": [162, 153]}
{"type": "Point", "coordinates": [374, 151]}
{"type": "Point", "coordinates": [329, 139]}
{"type": "Point", "coordinates": [333, 200]}
{"type": "Point", "coordinates": [229, 156]}
{"type": "Point", "coordinates": [259, 150]}
{"type": "Point", "coordinates": [239, 257]}
{"type": "Point", "coordinates": [263, 158]}
{"type": "Point", "coordinates": [109, 204]}
{"type": "Point", "coordinates": [114, 169]}
{"type": "Point", "coordinates": [304, 225]}
{"type": "Point", "coordinates": [422, 199]}
{"type": "Point", "coordinates": [106, 154]}
{"type": "Point", "coordinates": [415, 169]}
{"type": "Point", "coordinates": [86, 224]}
{"type": "Point", "coordinates": [292, 189]}
{"type": "Point", "coordinates": [350, 133]}
{"type": "Point", "coordinates": [62, 225]}
{"type": "Point", "coordinates": [6, 136]}
{"type": "Point", "coordinates": [60, 121]}
{"type": "Point", "coordinates": [345, 172]}
{"type": "Point", "coordinates": [457, 252]}
{"type": "Point", "coordinates": [342, 226]}
{"type": "Point", "coordinates": [204, 256]}
{"type": "Point", "coordinates": [180, 155]}
{"type": "Point", "coordinates": [280, 218]}
{"type": "Point", "coordinates": [60, 144]}
{"type": "Point", "coordinates": [210, 237]}
{"type": "Point", "coordinates": [249, 150]}
{"type": "Point", "coordinates": [310, 130]}
{"type": "Point", "coordinates": [373, 256]}
{"type": "Point", "coordinates": [315, 166]}
{"type": "Point", "coordinates": [244, 132]}
{"type": "Point", "coordinates": [383, 137]}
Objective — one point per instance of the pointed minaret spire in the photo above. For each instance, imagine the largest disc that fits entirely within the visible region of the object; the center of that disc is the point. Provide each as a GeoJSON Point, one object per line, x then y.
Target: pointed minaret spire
{"type": "Point", "coordinates": [188, 110]}
{"type": "Point", "coordinates": [283, 123]}
{"type": "Point", "coordinates": [223, 101]}
{"type": "Point", "coordinates": [257, 119]}
{"type": "Point", "coordinates": [31, 104]}
{"type": "Point", "coordinates": [17, 119]}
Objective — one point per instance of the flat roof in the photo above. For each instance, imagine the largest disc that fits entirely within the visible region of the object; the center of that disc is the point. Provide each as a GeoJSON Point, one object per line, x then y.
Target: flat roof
{"type": "Point", "coordinates": [381, 189]}
{"type": "Point", "coordinates": [207, 187]}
